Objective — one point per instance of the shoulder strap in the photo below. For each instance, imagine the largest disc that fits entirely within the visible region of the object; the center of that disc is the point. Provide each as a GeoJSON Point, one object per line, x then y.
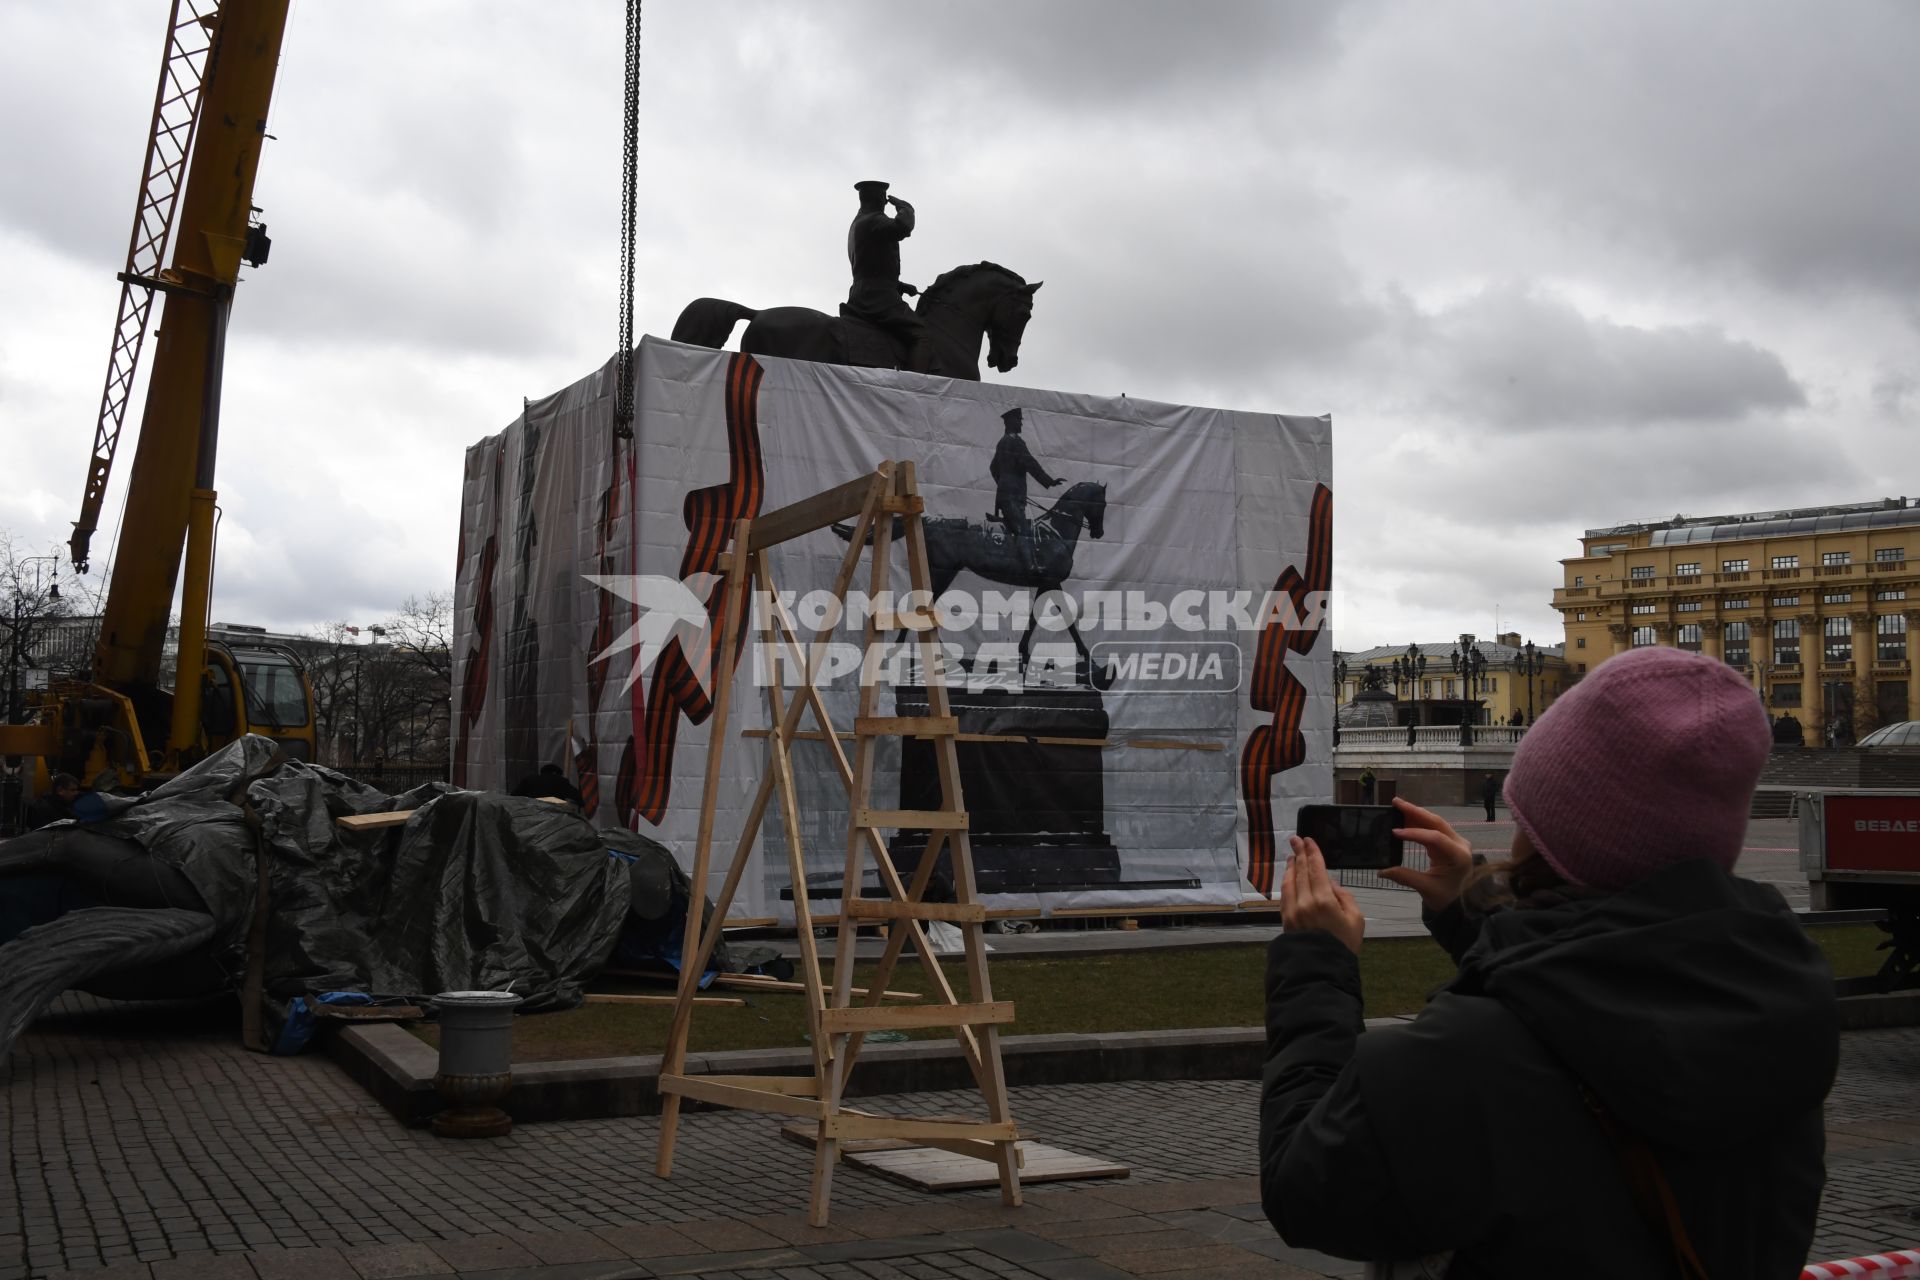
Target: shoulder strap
{"type": "Point", "coordinates": [1652, 1193]}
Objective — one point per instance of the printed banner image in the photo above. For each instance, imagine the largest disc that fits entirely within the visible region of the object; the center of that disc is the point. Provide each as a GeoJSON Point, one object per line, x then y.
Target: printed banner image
{"type": "Point", "coordinates": [1132, 600]}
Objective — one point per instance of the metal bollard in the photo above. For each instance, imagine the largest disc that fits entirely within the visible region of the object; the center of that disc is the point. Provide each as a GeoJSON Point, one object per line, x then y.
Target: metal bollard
{"type": "Point", "coordinates": [476, 1062]}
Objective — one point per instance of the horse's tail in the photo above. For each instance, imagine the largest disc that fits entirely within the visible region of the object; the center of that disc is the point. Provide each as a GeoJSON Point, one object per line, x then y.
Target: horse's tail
{"type": "Point", "coordinates": [708, 322]}
{"type": "Point", "coordinates": [845, 532]}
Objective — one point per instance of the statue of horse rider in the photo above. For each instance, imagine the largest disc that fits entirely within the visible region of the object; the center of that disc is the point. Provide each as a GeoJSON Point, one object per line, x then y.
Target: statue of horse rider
{"type": "Point", "coordinates": [1011, 465]}
{"type": "Point", "coordinates": [873, 250]}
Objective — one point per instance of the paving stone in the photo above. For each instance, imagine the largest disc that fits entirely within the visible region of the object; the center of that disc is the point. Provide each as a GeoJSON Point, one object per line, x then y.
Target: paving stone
{"type": "Point", "coordinates": [1207, 1259]}
{"type": "Point", "coordinates": [483, 1253]}
{"type": "Point", "coordinates": [568, 1246]}
{"type": "Point", "coordinates": [647, 1241]}
{"type": "Point", "coordinates": [730, 1236]}
{"type": "Point", "coordinates": [303, 1264]}
{"type": "Point", "coordinates": [222, 1267]}
{"type": "Point", "coordinates": [392, 1261]}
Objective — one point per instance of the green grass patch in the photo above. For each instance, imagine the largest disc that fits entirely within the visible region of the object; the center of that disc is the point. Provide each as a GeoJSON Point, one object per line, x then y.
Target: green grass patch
{"type": "Point", "coordinates": [1157, 990]}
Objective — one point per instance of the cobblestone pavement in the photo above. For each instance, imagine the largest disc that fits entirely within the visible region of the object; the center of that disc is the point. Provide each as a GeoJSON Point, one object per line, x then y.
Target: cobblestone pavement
{"type": "Point", "coordinates": [144, 1141]}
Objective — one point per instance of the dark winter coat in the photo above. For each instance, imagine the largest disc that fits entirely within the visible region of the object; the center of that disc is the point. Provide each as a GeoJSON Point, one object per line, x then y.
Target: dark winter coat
{"type": "Point", "coordinates": [1692, 1004]}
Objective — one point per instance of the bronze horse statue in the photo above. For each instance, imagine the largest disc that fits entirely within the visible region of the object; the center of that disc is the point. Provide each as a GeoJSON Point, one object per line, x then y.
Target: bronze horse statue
{"type": "Point", "coordinates": [961, 307]}
{"type": "Point", "coordinates": [954, 544]}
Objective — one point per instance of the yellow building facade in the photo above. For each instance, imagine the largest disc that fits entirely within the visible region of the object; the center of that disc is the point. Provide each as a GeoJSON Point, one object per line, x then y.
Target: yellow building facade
{"type": "Point", "coordinates": [1816, 606]}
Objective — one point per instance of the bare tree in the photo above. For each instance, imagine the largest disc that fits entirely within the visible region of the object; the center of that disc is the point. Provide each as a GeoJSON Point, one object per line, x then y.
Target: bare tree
{"type": "Point", "coordinates": [424, 630]}
{"type": "Point", "coordinates": [382, 694]}
{"type": "Point", "coordinates": [34, 601]}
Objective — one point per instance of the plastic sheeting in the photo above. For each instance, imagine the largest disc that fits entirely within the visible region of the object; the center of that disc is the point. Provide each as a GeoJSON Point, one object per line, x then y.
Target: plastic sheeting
{"type": "Point", "coordinates": [477, 891]}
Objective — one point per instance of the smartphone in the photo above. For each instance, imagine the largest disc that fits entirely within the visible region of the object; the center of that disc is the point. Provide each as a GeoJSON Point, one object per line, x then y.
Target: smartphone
{"type": "Point", "coordinates": [1352, 837]}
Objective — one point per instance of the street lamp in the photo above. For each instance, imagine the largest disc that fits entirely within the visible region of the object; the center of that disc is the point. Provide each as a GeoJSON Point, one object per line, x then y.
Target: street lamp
{"type": "Point", "coordinates": [1532, 663]}
{"type": "Point", "coordinates": [1469, 663]}
{"type": "Point", "coordinates": [1339, 691]}
{"type": "Point", "coordinates": [1411, 667]}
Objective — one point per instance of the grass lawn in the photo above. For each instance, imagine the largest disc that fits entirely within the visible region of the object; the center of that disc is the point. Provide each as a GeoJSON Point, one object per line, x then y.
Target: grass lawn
{"type": "Point", "coordinates": [1126, 991]}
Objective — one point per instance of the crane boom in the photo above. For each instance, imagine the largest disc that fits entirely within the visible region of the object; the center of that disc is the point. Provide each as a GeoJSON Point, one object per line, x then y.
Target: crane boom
{"type": "Point", "coordinates": [172, 477]}
{"type": "Point", "coordinates": [176, 113]}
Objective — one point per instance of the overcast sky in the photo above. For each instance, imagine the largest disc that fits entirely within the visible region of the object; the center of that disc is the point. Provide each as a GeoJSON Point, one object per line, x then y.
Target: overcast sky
{"type": "Point", "coordinates": [1548, 266]}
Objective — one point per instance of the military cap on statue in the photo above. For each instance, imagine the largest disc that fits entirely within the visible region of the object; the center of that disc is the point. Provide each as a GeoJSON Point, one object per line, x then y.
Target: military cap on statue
{"type": "Point", "coordinates": [870, 188]}
{"type": "Point", "coordinates": [1012, 418]}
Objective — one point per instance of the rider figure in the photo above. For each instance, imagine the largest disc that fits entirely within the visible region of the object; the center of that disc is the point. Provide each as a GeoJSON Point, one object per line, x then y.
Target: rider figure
{"type": "Point", "coordinates": [1011, 466]}
{"type": "Point", "coordinates": [873, 249]}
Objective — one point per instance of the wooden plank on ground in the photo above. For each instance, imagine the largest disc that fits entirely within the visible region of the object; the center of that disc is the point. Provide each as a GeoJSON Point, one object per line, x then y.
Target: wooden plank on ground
{"type": "Point", "coordinates": [855, 1125]}
{"type": "Point", "coordinates": [935, 1170]}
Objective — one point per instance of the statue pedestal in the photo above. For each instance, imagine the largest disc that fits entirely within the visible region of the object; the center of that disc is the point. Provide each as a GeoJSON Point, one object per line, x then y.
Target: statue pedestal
{"type": "Point", "coordinates": [1036, 809]}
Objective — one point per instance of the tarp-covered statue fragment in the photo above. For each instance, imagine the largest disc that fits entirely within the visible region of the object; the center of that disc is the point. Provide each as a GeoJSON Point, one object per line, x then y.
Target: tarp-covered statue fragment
{"type": "Point", "coordinates": [478, 891]}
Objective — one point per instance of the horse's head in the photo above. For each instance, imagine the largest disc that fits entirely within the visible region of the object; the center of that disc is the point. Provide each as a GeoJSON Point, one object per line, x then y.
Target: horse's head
{"type": "Point", "coordinates": [1007, 322]}
{"type": "Point", "coordinates": [1088, 502]}
{"type": "Point", "coordinates": [995, 301]}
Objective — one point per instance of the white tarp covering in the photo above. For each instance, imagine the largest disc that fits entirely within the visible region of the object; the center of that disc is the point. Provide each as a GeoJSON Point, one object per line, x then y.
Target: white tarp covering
{"type": "Point", "coordinates": [1193, 546]}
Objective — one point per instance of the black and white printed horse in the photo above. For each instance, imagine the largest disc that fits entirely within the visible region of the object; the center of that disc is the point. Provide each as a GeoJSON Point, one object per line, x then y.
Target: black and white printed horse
{"type": "Point", "coordinates": [988, 550]}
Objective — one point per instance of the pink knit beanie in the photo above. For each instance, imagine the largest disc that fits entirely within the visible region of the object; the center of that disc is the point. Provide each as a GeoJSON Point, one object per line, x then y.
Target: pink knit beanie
{"type": "Point", "coordinates": [1650, 760]}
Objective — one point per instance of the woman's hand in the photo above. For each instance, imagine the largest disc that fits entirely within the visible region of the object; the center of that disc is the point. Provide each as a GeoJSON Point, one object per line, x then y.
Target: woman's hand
{"type": "Point", "coordinates": [1449, 857]}
{"type": "Point", "coordinates": [1309, 899]}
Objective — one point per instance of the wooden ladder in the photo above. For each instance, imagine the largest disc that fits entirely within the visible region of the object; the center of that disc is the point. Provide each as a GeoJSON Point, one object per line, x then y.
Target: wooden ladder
{"type": "Point", "coordinates": [839, 1025]}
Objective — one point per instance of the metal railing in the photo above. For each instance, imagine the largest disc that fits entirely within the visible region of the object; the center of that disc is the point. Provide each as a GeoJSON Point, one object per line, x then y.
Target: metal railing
{"type": "Point", "coordinates": [1430, 736]}
{"type": "Point", "coordinates": [1412, 855]}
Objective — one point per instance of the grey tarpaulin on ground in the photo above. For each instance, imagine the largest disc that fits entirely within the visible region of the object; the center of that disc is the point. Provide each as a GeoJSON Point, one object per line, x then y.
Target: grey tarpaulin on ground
{"type": "Point", "coordinates": [477, 891]}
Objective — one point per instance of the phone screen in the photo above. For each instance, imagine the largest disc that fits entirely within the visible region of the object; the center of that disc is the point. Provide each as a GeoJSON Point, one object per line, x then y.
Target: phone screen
{"type": "Point", "coordinates": [1353, 837]}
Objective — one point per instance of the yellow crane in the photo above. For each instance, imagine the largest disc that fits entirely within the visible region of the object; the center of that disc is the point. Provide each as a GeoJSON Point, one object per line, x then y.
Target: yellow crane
{"type": "Point", "coordinates": [209, 121]}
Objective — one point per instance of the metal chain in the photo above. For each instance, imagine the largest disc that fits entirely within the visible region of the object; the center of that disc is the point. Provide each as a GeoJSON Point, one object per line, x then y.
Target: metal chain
{"type": "Point", "coordinates": [630, 183]}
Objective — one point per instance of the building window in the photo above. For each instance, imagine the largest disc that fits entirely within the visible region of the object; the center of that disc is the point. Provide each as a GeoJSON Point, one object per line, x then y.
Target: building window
{"type": "Point", "coordinates": [1691, 570]}
{"type": "Point", "coordinates": [1687, 606]}
{"type": "Point", "coordinates": [1733, 566]}
{"type": "Point", "coordinates": [1889, 555]}
{"type": "Point", "coordinates": [1836, 557]}
{"type": "Point", "coordinates": [1580, 615]}
{"type": "Point", "coordinates": [1891, 593]}
{"type": "Point", "coordinates": [1786, 562]}
{"type": "Point", "coordinates": [1579, 642]}
{"type": "Point", "coordinates": [1836, 597]}
{"type": "Point", "coordinates": [1583, 668]}
{"type": "Point", "coordinates": [1641, 573]}
{"type": "Point", "coordinates": [1426, 688]}
{"type": "Point", "coordinates": [1786, 695]}
{"type": "Point", "coordinates": [1642, 608]}
{"type": "Point", "coordinates": [1890, 629]}
{"type": "Point", "coordinates": [1493, 684]}
{"type": "Point", "coordinates": [1579, 580]}
{"type": "Point", "coordinates": [1688, 637]}
{"type": "Point", "coordinates": [1839, 638]}
{"type": "Point", "coordinates": [1737, 641]}
{"type": "Point", "coordinates": [1642, 637]}
{"type": "Point", "coordinates": [1785, 602]}
{"type": "Point", "coordinates": [1786, 642]}
{"type": "Point", "coordinates": [1740, 603]}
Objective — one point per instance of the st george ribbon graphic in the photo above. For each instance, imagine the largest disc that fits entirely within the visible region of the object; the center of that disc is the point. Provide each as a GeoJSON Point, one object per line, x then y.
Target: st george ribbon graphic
{"type": "Point", "coordinates": [681, 681]}
{"type": "Point", "coordinates": [1274, 747]}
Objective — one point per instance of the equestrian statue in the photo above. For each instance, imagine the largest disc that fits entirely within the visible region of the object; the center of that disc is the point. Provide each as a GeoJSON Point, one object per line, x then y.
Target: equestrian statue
{"type": "Point", "coordinates": [876, 329]}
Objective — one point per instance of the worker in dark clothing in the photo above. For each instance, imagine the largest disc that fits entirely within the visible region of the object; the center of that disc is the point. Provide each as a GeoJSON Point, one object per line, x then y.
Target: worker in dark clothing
{"type": "Point", "coordinates": [66, 799]}
{"type": "Point", "coordinates": [873, 251]}
{"type": "Point", "coordinates": [1012, 464]}
{"type": "Point", "coordinates": [1489, 792]}
{"type": "Point", "coordinates": [1629, 1067]}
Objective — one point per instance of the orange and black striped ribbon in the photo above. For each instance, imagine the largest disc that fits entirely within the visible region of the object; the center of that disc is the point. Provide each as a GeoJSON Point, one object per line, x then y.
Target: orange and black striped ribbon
{"type": "Point", "coordinates": [677, 687]}
{"type": "Point", "coordinates": [1277, 746]}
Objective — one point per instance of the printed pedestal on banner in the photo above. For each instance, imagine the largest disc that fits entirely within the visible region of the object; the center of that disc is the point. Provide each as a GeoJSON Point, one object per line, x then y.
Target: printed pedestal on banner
{"type": "Point", "coordinates": [1132, 597]}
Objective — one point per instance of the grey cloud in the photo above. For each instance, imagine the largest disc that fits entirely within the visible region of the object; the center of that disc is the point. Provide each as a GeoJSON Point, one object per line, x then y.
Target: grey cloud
{"type": "Point", "coordinates": [1771, 134]}
{"type": "Point", "coordinates": [1516, 358]}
